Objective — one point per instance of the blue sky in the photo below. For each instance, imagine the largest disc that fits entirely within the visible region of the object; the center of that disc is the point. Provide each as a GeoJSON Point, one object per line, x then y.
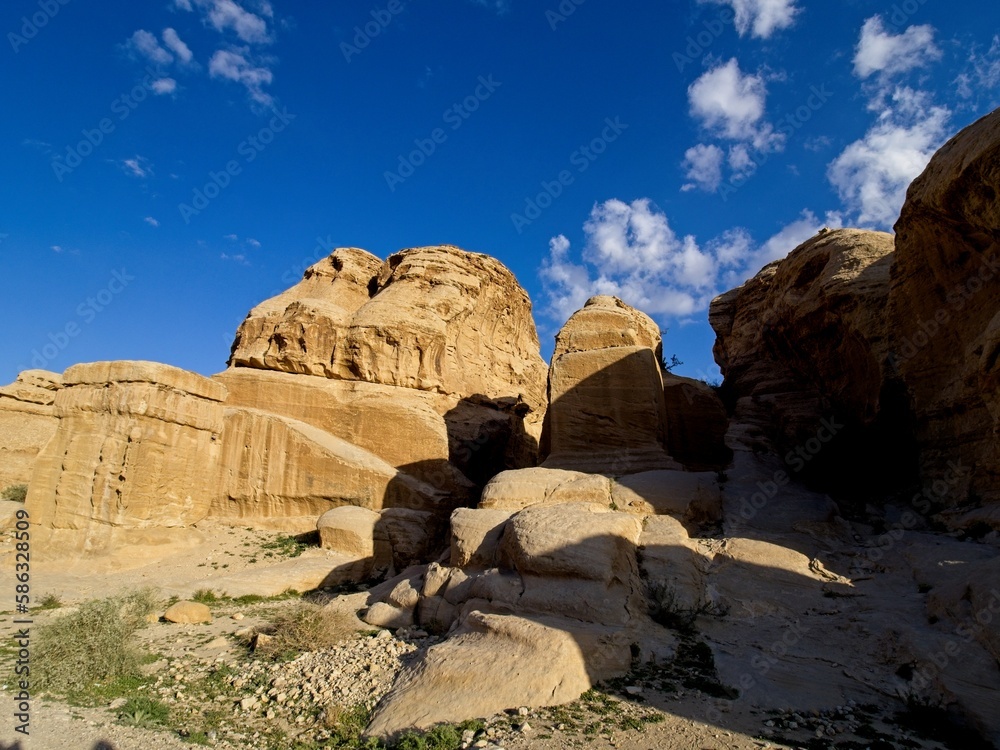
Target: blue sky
{"type": "Point", "coordinates": [170, 164]}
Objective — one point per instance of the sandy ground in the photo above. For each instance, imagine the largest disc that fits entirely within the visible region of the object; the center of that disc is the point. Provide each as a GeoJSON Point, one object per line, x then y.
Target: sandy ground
{"type": "Point", "coordinates": [233, 558]}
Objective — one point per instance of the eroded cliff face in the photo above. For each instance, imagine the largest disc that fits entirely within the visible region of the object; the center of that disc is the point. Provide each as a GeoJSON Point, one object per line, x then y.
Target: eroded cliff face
{"type": "Point", "coordinates": [27, 422]}
{"type": "Point", "coordinates": [435, 319]}
{"type": "Point", "coordinates": [804, 347]}
{"type": "Point", "coordinates": [945, 316]}
{"type": "Point", "coordinates": [895, 339]}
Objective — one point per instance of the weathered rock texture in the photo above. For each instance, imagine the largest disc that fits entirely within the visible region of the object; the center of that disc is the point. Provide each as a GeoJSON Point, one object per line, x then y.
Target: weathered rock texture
{"type": "Point", "coordinates": [436, 319]}
{"type": "Point", "coordinates": [944, 311]}
{"type": "Point", "coordinates": [804, 348]}
{"type": "Point", "coordinates": [280, 473]}
{"type": "Point", "coordinates": [428, 360]}
{"type": "Point", "coordinates": [27, 423]}
{"type": "Point", "coordinates": [137, 446]}
{"type": "Point", "coordinates": [606, 410]}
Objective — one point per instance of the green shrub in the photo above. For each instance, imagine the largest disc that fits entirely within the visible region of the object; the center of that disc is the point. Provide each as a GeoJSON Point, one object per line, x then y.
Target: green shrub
{"type": "Point", "coordinates": [142, 711]}
{"type": "Point", "coordinates": [15, 492]}
{"type": "Point", "coordinates": [89, 651]}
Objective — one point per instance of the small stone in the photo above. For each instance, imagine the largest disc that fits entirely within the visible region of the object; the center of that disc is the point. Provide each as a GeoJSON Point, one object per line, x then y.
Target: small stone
{"type": "Point", "coordinates": [117, 703]}
{"type": "Point", "coordinates": [633, 690]}
{"type": "Point", "coordinates": [522, 711]}
{"type": "Point", "coordinates": [238, 616]}
{"type": "Point", "coordinates": [248, 703]}
{"type": "Point", "coordinates": [524, 728]}
{"type": "Point", "coordinates": [188, 613]}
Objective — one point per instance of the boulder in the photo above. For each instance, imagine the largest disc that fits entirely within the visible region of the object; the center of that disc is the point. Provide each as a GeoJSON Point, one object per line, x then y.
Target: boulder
{"type": "Point", "coordinates": [475, 536]}
{"type": "Point", "coordinates": [525, 488]}
{"type": "Point", "coordinates": [943, 311]}
{"type": "Point", "coordinates": [529, 662]}
{"type": "Point", "coordinates": [188, 613]}
{"type": "Point", "coordinates": [137, 446]}
{"type": "Point", "coordinates": [694, 497]}
{"type": "Point", "coordinates": [412, 535]}
{"type": "Point", "coordinates": [348, 529]}
{"type": "Point", "coordinates": [606, 410]}
{"type": "Point", "coordinates": [576, 559]}
{"type": "Point", "coordinates": [27, 423]}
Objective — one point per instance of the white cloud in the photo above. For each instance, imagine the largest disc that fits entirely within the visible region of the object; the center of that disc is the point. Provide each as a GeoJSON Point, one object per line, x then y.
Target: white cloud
{"type": "Point", "coordinates": [57, 248]}
{"type": "Point", "coordinates": [731, 104]}
{"type": "Point", "coordinates": [177, 46]}
{"type": "Point", "coordinates": [253, 243]}
{"type": "Point", "coordinates": [227, 15]}
{"type": "Point", "coordinates": [871, 175]}
{"type": "Point", "coordinates": [163, 86]}
{"type": "Point", "coordinates": [145, 44]}
{"type": "Point", "coordinates": [761, 18]}
{"type": "Point", "coordinates": [235, 65]}
{"type": "Point", "coordinates": [237, 258]}
{"type": "Point", "coordinates": [794, 234]}
{"type": "Point", "coordinates": [151, 221]}
{"type": "Point", "coordinates": [137, 166]}
{"type": "Point", "coordinates": [879, 51]}
{"type": "Point", "coordinates": [632, 252]}
{"type": "Point", "coordinates": [231, 237]}
{"type": "Point", "coordinates": [703, 166]}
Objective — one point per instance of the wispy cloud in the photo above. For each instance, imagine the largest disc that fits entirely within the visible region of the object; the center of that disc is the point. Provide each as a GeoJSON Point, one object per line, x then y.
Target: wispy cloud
{"type": "Point", "coordinates": [229, 16]}
{"type": "Point", "coordinates": [143, 44]}
{"type": "Point", "coordinates": [177, 46]}
{"type": "Point", "coordinates": [237, 65]}
{"type": "Point", "coordinates": [237, 258]}
{"type": "Point", "coordinates": [151, 221]}
{"type": "Point", "coordinates": [703, 166]}
{"type": "Point", "coordinates": [137, 166]}
{"type": "Point", "coordinates": [761, 18]}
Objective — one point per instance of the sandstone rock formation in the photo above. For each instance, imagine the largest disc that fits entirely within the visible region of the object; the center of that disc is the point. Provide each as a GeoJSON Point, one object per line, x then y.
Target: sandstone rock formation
{"type": "Point", "coordinates": [697, 422]}
{"type": "Point", "coordinates": [27, 423]}
{"type": "Point", "coordinates": [279, 473]}
{"type": "Point", "coordinates": [804, 347]}
{"type": "Point", "coordinates": [943, 308]}
{"type": "Point", "coordinates": [429, 360]}
{"type": "Point", "coordinates": [606, 411]}
{"type": "Point", "coordinates": [137, 446]}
